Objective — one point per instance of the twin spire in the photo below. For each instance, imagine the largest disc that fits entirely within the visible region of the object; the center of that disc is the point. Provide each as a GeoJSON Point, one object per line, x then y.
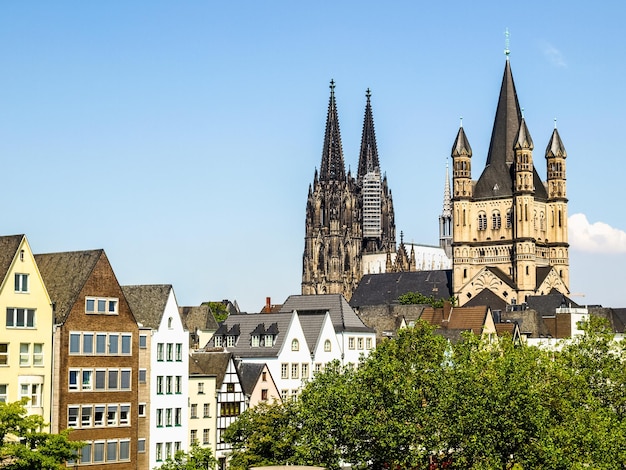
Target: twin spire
{"type": "Point", "coordinates": [333, 167]}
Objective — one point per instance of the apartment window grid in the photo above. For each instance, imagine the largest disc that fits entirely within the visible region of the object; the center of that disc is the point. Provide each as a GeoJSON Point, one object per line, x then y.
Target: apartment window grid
{"type": "Point", "coordinates": [87, 380]}
{"type": "Point", "coordinates": [117, 450]}
{"type": "Point", "coordinates": [106, 344]}
{"type": "Point", "coordinates": [20, 317]}
{"type": "Point", "coordinates": [101, 305]}
{"type": "Point", "coordinates": [98, 415]}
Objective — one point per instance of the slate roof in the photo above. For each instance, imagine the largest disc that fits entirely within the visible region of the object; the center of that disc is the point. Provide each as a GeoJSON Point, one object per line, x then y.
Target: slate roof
{"type": "Point", "coordinates": [8, 249]}
{"type": "Point", "coordinates": [211, 363]}
{"type": "Point", "coordinates": [249, 375]}
{"type": "Point", "coordinates": [383, 289]}
{"type": "Point", "coordinates": [542, 273]}
{"type": "Point", "coordinates": [547, 304]}
{"type": "Point", "coordinates": [64, 275]}
{"type": "Point", "coordinates": [618, 319]}
{"type": "Point", "coordinates": [496, 180]}
{"type": "Point", "coordinates": [198, 318]}
{"type": "Point", "coordinates": [489, 298]}
{"type": "Point", "coordinates": [243, 325]}
{"type": "Point", "coordinates": [148, 303]}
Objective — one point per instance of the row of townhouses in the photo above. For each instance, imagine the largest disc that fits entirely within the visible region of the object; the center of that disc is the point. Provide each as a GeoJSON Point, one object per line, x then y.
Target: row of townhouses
{"type": "Point", "coordinates": [138, 377]}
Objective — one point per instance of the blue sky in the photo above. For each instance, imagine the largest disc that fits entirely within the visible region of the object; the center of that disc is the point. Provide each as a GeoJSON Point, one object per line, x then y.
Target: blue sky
{"type": "Point", "coordinates": [182, 136]}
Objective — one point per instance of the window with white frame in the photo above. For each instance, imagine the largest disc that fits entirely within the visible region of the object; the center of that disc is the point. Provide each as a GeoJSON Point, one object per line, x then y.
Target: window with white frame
{"type": "Point", "coordinates": [168, 450]}
{"type": "Point", "coordinates": [268, 341]}
{"type": "Point", "coordinates": [21, 282]}
{"type": "Point", "coordinates": [124, 415]}
{"type": "Point", "coordinates": [143, 341]}
{"type": "Point", "coordinates": [86, 416]}
{"type": "Point", "coordinates": [178, 416]}
{"type": "Point", "coordinates": [24, 354]}
{"type": "Point", "coordinates": [72, 416]}
{"type": "Point", "coordinates": [284, 371]}
{"type": "Point", "coordinates": [360, 343]}
{"type": "Point", "coordinates": [200, 388]}
{"type": "Point", "coordinates": [98, 415]}
{"type": "Point", "coordinates": [179, 352]}
{"type": "Point", "coordinates": [112, 415]}
{"type": "Point", "coordinates": [3, 393]}
{"type": "Point", "coordinates": [351, 342]}
{"type": "Point", "coordinates": [159, 383]}
{"type": "Point", "coordinates": [112, 450]}
{"type": "Point", "coordinates": [284, 394]}
{"type": "Point", "coordinates": [101, 305]}
{"type": "Point", "coordinates": [143, 373]}
{"type": "Point", "coordinates": [368, 343]}
{"type": "Point", "coordinates": [20, 317]}
{"type": "Point", "coordinates": [168, 417]}
{"type": "Point", "coordinates": [178, 387]}
{"type": "Point", "coordinates": [98, 451]}
{"type": "Point", "coordinates": [305, 371]}
{"type": "Point", "coordinates": [327, 345]}
{"type": "Point", "coordinates": [168, 384]}
{"type": "Point", "coordinates": [206, 435]}
{"type": "Point", "coordinates": [160, 349]}
{"type": "Point", "coordinates": [194, 410]}
{"type": "Point", "coordinates": [206, 410]}
{"type": "Point", "coordinates": [295, 345]}
{"type": "Point", "coordinates": [159, 451]}
{"type": "Point", "coordinates": [159, 417]}
{"type": "Point", "coordinates": [4, 354]}
{"type": "Point", "coordinates": [170, 352]}
{"type": "Point", "coordinates": [141, 445]}
{"type": "Point", "coordinates": [141, 410]}
{"type": "Point", "coordinates": [230, 341]}
{"type": "Point", "coordinates": [482, 221]}
{"type": "Point", "coordinates": [193, 436]}
{"type": "Point", "coordinates": [295, 368]}
{"type": "Point", "coordinates": [255, 341]}
{"type": "Point", "coordinates": [217, 340]}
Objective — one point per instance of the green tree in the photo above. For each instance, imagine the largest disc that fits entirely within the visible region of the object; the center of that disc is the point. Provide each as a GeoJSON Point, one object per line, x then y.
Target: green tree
{"type": "Point", "coordinates": [198, 458]}
{"type": "Point", "coordinates": [411, 298]}
{"type": "Point", "coordinates": [24, 447]}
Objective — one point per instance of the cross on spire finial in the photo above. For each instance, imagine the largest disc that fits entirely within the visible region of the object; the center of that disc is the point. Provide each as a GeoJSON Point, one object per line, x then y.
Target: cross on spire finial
{"type": "Point", "coordinates": [506, 43]}
{"type": "Point", "coordinates": [368, 93]}
{"type": "Point", "coordinates": [555, 123]}
{"type": "Point", "coordinates": [461, 118]}
{"type": "Point", "coordinates": [332, 85]}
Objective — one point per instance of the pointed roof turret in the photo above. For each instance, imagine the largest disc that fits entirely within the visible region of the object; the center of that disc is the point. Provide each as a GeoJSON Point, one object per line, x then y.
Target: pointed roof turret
{"type": "Point", "coordinates": [555, 147]}
{"type": "Point", "coordinates": [368, 158]}
{"type": "Point", "coordinates": [461, 145]}
{"type": "Point", "coordinates": [524, 141]}
{"type": "Point", "coordinates": [332, 168]}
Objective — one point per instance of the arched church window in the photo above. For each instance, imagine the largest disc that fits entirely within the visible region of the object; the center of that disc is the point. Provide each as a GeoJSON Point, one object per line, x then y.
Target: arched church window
{"type": "Point", "coordinates": [496, 222]}
{"type": "Point", "coordinates": [482, 221]}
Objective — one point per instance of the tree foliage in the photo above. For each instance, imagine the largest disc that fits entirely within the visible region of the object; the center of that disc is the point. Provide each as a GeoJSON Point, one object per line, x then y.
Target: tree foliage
{"type": "Point", "coordinates": [418, 298]}
{"type": "Point", "coordinates": [24, 447]}
{"type": "Point", "coordinates": [416, 402]}
{"type": "Point", "coordinates": [198, 458]}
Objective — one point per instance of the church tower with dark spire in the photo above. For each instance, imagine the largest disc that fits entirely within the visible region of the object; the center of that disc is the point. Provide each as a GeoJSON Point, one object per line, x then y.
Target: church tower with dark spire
{"type": "Point", "coordinates": [509, 227]}
{"type": "Point", "coordinates": [346, 217]}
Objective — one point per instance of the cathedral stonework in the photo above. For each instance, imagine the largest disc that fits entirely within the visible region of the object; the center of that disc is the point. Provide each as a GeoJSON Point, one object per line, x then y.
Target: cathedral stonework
{"type": "Point", "coordinates": [509, 227]}
{"type": "Point", "coordinates": [346, 217]}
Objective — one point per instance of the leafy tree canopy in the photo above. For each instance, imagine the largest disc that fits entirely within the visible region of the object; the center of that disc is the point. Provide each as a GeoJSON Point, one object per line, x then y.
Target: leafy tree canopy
{"type": "Point", "coordinates": [198, 458]}
{"type": "Point", "coordinates": [418, 298]}
{"type": "Point", "coordinates": [24, 447]}
{"type": "Point", "coordinates": [416, 402]}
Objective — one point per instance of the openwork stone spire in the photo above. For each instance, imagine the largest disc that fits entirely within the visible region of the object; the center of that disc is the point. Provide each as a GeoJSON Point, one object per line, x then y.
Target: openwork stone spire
{"type": "Point", "coordinates": [332, 168]}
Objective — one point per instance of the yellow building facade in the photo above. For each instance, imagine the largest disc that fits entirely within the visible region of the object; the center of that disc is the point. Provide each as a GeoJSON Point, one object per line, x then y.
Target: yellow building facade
{"type": "Point", "coordinates": [509, 226]}
{"type": "Point", "coordinates": [26, 329]}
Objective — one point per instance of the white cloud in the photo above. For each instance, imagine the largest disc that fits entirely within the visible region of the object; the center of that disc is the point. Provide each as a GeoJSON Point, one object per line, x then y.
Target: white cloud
{"type": "Point", "coordinates": [595, 238]}
{"type": "Point", "coordinates": [554, 55]}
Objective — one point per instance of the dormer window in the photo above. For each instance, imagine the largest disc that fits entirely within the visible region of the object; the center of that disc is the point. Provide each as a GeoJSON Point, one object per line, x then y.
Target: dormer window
{"type": "Point", "coordinates": [217, 340]}
{"type": "Point", "coordinates": [268, 341]}
{"type": "Point", "coordinates": [256, 341]}
{"type": "Point", "coordinates": [230, 341]}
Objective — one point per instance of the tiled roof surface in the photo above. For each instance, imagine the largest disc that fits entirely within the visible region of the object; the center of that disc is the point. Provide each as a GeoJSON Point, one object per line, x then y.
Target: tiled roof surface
{"type": "Point", "coordinates": [382, 289]}
{"type": "Point", "coordinates": [198, 318]}
{"type": "Point", "coordinates": [249, 375]}
{"type": "Point", "coordinates": [8, 249]}
{"type": "Point", "coordinates": [147, 302]}
{"type": "Point", "coordinates": [460, 318]}
{"type": "Point", "coordinates": [64, 275]}
{"type": "Point", "coordinates": [209, 363]}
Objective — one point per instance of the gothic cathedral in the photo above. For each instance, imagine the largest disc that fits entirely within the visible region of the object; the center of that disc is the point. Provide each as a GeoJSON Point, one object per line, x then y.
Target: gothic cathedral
{"type": "Point", "coordinates": [346, 217]}
{"type": "Point", "coordinates": [509, 227]}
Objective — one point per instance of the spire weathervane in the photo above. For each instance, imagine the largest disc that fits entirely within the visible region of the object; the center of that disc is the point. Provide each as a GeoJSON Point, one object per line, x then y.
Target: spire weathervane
{"type": "Point", "coordinates": [507, 51]}
{"type": "Point", "coordinates": [555, 123]}
{"type": "Point", "coordinates": [461, 118]}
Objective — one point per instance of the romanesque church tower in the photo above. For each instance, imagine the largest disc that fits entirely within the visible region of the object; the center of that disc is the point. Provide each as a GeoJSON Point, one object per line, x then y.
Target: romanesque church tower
{"type": "Point", "coordinates": [346, 217]}
{"type": "Point", "coordinates": [509, 227]}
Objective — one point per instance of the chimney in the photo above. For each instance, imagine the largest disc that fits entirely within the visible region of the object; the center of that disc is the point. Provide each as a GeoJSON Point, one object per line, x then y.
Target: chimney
{"type": "Point", "coordinates": [268, 305]}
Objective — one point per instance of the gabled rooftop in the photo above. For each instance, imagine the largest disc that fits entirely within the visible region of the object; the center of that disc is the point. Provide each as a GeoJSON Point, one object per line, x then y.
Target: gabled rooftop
{"type": "Point", "coordinates": [148, 302]}
{"type": "Point", "coordinates": [8, 250]}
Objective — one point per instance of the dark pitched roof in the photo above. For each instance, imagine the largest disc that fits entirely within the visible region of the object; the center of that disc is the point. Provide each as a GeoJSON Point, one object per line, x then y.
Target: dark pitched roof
{"type": "Point", "coordinates": [384, 289]}
{"type": "Point", "coordinates": [461, 145]}
{"type": "Point", "coordinates": [496, 180]}
{"type": "Point", "coordinates": [213, 363]}
{"type": "Point", "coordinates": [501, 275]}
{"type": "Point", "coordinates": [555, 146]}
{"type": "Point", "coordinates": [64, 275]}
{"type": "Point", "coordinates": [458, 318]}
{"type": "Point", "coordinates": [368, 157]}
{"type": "Point", "coordinates": [8, 249]}
{"type": "Point", "coordinates": [249, 375]}
{"type": "Point", "coordinates": [332, 168]}
{"type": "Point", "coordinates": [198, 318]}
{"type": "Point", "coordinates": [147, 302]}
{"type": "Point", "coordinates": [340, 311]}
{"type": "Point", "coordinates": [487, 297]}
{"type": "Point", "coordinates": [547, 304]}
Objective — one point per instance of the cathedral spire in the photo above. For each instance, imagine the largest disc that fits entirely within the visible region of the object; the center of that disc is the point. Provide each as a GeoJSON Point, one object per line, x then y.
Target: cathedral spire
{"type": "Point", "coordinates": [332, 168]}
{"type": "Point", "coordinates": [447, 198]}
{"type": "Point", "coordinates": [368, 158]}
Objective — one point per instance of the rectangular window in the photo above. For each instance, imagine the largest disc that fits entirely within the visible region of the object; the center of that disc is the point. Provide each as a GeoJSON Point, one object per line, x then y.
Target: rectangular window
{"type": "Point", "coordinates": [126, 342]}
{"type": "Point", "coordinates": [113, 344]}
{"type": "Point", "coordinates": [160, 352]}
{"type": "Point", "coordinates": [284, 395]}
{"type": "Point", "coordinates": [85, 454]}
{"type": "Point", "coordinates": [98, 451]}
{"type": "Point", "coordinates": [368, 343]}
{"type": "Point", "coordinates": [74, 343]}
{"type": "Point", "coordinates": [141, 411]}
{"type": "Point", "coordinates": [159, 451]}
{"type": "Point", "coordinates": [102, 306]}
{"type": "Point", "coordinates": [200, 388]}
{"type": "Point", "coordinates": [177, 446]}
{"type": "Point", "coordinates": [85, 416]}
{"type": "Point", "coordinates": [193, 437]}
{"type": "Point", "coordinates": [178, 387]}
{"type": "Point", "coordinates": [141, 445]}
{"type": "Point", "coordinates": [87, 380]}
{"type": "Point", "coordinates": [206, 433]}
{"type": "Point", "coordinates": [72, 416]}
{"type": "Point", "coordinates": [142, 376]}
{"type": "Point", "coordinates": [143, 341]}
{"type": "Point", "coordinates": [351, 342]}
{"type": "Point", "coordinates": [21, 282]}
{"type": "Point", "coordinates": [159, 417]}
{"type": "Point", "coordinates": [217, 341]}
{"type": "Point", "coordinates": [168, 384]}
{"type": "Point", "coordinates": [111, 415]}
{"type": "Point", "coordinates": [268, 341]}
{"type": "Point", "coordinates": [159, 385]}
{"type": "Point", "coordinates": [73, 379]}
{"type": "Point", "coordinates": [24, 354]}
{"type": "Point", "coordinates": [4, 354]}
{"type": "Point", "coordinates": [178, 416]}
{"type": "Point", "coordinates": [230, 341]}
{"type": "Point", "coordinates": [125, 449]}
{"type": "Point", "coordinates": [284, 371]}
{"type": "Point", "coordinates": [111, 451]}
{"type": "Point", "coordinates": [305, 371]}
{"type": "Point", "coordinates": [170, 352]}
{"type": "Point", "coordinates": [256, 340]}
{"type": "Point", "coordinates": [230, 388]}
{"type": "Point", "coordinates": [3, 393]}
{"type": "Point", "coordinates": [168, 417]}
{"type": "Point", "coordinates": [168, 450]}
{"type": "Point", "coordinates": [20, 318]}
{"type": "Point", "coordinates": [125, 376]}
{"type": "Point", "coordinates": [194, 410]}
{"type": "Point", "coordinates": [98, 415]}
{"type": "Point", "coordinates": [124, 415]}
{"type": "Point", "coordinates": [294, 370]}
{"type": "Point", "coordinates": [229, 409]}
{"type": "Point", "coordinates": [206, 409]}
{"type": "Point", "coordinates": [87, 343]}
{"type": "Point", "coordinates": [179, 352]}
{"type": "Point", "coordinates": [264, 394]}
{"type": "Point", "coordinates": [360, 343]}
{"type": "Point", "coordinates": [113, 379]}
{"type": "Point", "coordinates": [101, 379]}
{"type": "Point", "coordinates": [101, 343]}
